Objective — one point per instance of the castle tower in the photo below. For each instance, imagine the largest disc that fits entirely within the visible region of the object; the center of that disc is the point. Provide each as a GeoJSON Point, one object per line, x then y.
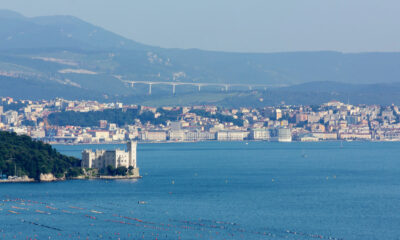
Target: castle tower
{"type": "Point", "coordinates": [131, 145]}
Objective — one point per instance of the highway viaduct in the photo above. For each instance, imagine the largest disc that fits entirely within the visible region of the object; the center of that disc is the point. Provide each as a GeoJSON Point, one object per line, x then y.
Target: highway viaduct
{"type": "Point", "coordinates": [224, 86]}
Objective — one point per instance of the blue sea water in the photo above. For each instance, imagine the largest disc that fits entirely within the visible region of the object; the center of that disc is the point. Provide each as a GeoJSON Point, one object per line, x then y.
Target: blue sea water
{"type": "Point", "coordinates": [220, 190]}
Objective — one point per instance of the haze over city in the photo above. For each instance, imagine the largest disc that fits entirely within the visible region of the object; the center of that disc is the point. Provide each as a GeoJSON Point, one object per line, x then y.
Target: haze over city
{"type": "Point", "coordinates": [238, 26]}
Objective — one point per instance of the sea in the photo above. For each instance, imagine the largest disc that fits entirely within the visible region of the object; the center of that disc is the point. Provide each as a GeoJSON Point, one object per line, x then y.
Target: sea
{"type": "Point", "coordinates": [219, 190]}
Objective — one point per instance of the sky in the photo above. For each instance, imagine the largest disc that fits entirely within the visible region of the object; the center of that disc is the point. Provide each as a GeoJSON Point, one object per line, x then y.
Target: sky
{"type": "Point", "coordinates": [238, 25]}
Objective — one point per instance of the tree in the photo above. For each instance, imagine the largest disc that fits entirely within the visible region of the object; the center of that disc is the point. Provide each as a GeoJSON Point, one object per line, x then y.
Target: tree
{"type": "Point", "coordinates": [111, 170]}
{"type": "Point", "coordinates": [74, 172]}
{"type": "Point", "coordinates": [121, 171]}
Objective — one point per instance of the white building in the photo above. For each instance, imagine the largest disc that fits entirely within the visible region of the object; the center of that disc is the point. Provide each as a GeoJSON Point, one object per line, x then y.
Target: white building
{"type": "Point", "coordinates": [177, 135]}
{"type": "Point", "coordinates": [154, 135]}
{"type": "Point", "coordinates": [260, 134]}
{"type": "Point", "coordinates": [199, 136]}
{"type": "Point", "coordinates": [284, 135]}
{"type": "Point", "coordinates": [231, 135]}
{"type": "Point", "coordinates": [10, 117]}
{"type": "Point", "coordinates": [100, 159]}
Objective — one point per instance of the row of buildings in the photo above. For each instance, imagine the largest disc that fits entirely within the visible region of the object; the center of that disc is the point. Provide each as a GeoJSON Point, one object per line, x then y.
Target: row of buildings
{"type": "Point", "coordinates": [330, 121]}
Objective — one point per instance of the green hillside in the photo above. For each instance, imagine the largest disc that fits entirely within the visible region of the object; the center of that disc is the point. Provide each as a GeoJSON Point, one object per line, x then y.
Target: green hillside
{"type": "Point", "coordinates": [22, 155]}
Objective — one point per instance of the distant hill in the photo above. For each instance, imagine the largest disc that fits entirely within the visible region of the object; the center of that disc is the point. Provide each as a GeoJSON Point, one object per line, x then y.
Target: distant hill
{"type": "Point", "coordinates": [75, 59]}
{"type": "Point", "coordinates": [24, 156]}
{"type": "Point", "coordinates": [63, 32]}
{"type": "Point", "coordinates": [313, 93]}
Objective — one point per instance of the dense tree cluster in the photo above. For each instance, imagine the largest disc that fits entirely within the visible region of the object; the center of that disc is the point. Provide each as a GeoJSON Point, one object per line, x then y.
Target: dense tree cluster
{"type": "Point", "coordinates": [119, 171]}
{"type": "Point", "coordinates": [74, 172]}
{"type": "Point", "coordinates": [221, 117]}
{"type": "Point", "coordinates": [119, 116]}
{"type": "Point", "coordinates": [22, 156]}
{"type": "Point", "coordinates": [13, 106]}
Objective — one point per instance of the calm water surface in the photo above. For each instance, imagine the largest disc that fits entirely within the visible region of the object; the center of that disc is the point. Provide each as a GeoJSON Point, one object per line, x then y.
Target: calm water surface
{"type": "Point", "coordinates": [217, 190]}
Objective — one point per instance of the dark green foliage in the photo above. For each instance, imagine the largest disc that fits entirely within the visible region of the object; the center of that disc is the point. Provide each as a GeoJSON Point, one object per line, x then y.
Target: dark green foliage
{"type": "Point", "coordinates": [302, 124]}
{"type": "Point", "coordinates": [13, 106]}
{"type": "Point", "coordinates": [130, 168]}
{"type": "Point", "coordinates": [119, 116]}
{"type": "Point", "coordinates": [28, 123]}
{"type": "Point", "coordinates": [74, 172]}
{"type": "Point", "coordinates": [86, 119]}
{"type": "Point", "coordinates": [172, 115]}
{"type": "Point", "coordinates": [222, 118]}
{"type": "Point", "coordinates": [147, 117]}
{"type": "Point", "coordinates": [111, 170]}
{"type": "Point", "coordinates": [31, 158]}
{"type": "Point", "coordinates": [121, 171]}
{"type": "Point", "coordinates": [315, 108]}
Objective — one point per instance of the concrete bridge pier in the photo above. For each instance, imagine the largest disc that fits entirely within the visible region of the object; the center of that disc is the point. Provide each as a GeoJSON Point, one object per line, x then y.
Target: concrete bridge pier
{"type": "Point", "coordinates": [150, 88]}
{"type": "Point", "coordinates": [173, 89]}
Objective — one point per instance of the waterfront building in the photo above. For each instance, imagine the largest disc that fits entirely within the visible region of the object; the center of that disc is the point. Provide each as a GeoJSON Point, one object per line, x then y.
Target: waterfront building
{"type": "Point", "coordinates": [284, 135]}
{"type": "Point", "coordinates": [177, 135]}
{"type": "Point", "coordinates": [100, 135]}
{"type": "Point", "coordinates": [325, 135]}
{"type": "Point", "coordinates": [309, 138]}
{"type": "Point", "coordinates": [391, 135]}
{"type": "Point", "coordinates": [100, 159]}
{"type": "Point", "coordinates": [260, 134]}
{"type": "Point", "coordinates": [355, 136]}
{"type": "Point", "coordinates": [154, 135]}
{"type": "Point", "coordinates": [199, 136]}
{"type": "Point", "coordinates": [231, 135]}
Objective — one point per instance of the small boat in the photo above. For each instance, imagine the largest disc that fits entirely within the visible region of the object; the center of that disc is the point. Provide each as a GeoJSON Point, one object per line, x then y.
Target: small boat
{"type": "Point", "coordinates": [93, 211]}
{"type": "Point", "coordinates": [142, 202]}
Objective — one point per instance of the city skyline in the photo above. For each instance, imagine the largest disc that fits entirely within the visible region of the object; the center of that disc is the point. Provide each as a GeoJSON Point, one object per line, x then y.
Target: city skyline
{"type": "Point", "coordinates": [84, 122]}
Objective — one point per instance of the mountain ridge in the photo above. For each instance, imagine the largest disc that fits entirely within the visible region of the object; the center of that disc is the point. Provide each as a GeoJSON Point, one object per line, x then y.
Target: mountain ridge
{"type": "Point", "coordinates": [67, 52]}
{"type": "Point", "coordinates": [62, 29]}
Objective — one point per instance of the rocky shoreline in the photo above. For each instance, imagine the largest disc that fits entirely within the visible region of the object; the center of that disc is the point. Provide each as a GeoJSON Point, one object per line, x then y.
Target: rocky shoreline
{"type": "Point", "coordinates": [51, 178]}
{"type": "Point", "coordinates": [104, 177]}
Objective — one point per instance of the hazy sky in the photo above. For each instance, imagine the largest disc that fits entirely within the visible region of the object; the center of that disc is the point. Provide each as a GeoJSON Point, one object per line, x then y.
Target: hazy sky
{"type": "Point", "coordinates": [238, 25]}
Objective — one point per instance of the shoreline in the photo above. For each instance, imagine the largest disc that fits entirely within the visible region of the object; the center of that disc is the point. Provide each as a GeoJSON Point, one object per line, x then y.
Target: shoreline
{"type": "Point", "coordinates": [244, 141]}
{"type": "Point", "coordinates": [31, 180]}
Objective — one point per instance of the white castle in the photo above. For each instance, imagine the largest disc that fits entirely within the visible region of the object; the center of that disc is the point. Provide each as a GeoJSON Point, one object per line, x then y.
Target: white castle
{"type": "Point", "coordinates": [100, 159]}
